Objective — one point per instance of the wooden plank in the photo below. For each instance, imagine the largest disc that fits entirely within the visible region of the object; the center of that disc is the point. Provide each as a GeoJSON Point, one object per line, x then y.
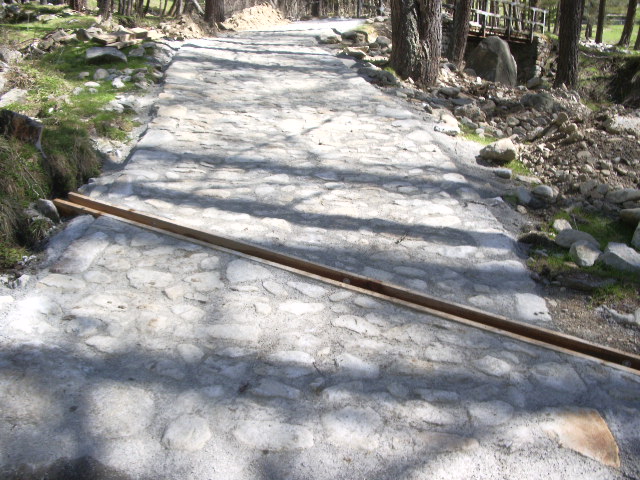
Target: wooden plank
{"type": "Point", "coordinates": [85, 204]}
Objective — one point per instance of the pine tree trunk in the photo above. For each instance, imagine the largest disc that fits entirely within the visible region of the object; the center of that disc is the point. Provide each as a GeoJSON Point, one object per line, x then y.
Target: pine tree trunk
{"type": "Point", "coordinates": [105, 9]}
{"type": "Point", "coordinates": [556, 25]}
{"type": "Point", "coordinates": [601, 16]}
{"type": "Point", "coordinates": [416, 36]}
{"type": "Point", "coordinates": [637, 44]}
{"type": "Point", "coordinates": [460, 31]}
{"type": "Point", "coordinates": [568, 42]}
{"type": "Point", "coordinates": [625, 38]}
{"type": "Point", "coordinates": [588, 30]}
{"type": "Point", "coordinates": [214, 11]}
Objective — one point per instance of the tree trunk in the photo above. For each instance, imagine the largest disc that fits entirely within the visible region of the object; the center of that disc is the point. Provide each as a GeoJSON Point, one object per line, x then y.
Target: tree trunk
{"type": "Point", "coordinates": [625, 38]}
{"type": "Point", "coordinates": [78, 5]}
{"type": "Point", "coordinates": [637, 44]}
{"type": "Point", "coordinates": [460, 31]}
{"type": "Point", "coordinates": [588, 30]}
{"type": "Point", "coordinates": [416, 36]}
{"type": "Point", "coordinates": [601, 16]}
{"type": "Point", "coordinates": [556, 25]}
{"type": "Point", "coordinates": [105, 9]}
{"type": "Point", "coordinates": [568, 41]}
{"type": "Point", "coordinates": [214, 11]}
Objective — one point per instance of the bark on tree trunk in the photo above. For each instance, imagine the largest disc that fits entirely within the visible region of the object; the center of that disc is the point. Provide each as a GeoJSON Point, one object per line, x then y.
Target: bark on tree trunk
{"type": "Point", "coordinates": [556, 25]}
{"type": "Point", "coordinates": [625, 38]}
{"type": "Point", "coordinates": [105, 9]}
{"type": "Point", "coordinates": [460, 31]}
{"type": "Point", "coordinates": [600, 28]}
{"type": "Point", "coordinates": [637, 44]}
{"type": "Point", "coordinates": [568, 41]}
{"type": "Point", "coordinates": [588, 30]}
{"type": "Point", "coordinates": [214, 11]}
{"type": "Point", "coordinates": [416, 36]}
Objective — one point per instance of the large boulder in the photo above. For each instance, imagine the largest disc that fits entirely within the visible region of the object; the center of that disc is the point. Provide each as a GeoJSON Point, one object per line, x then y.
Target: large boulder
{"type": "Point", "coordinates": [492, 60]}
{"type": "Point", "coordinates": [621, 257]}
{"type": "Point", "coordinates": [502, 151]}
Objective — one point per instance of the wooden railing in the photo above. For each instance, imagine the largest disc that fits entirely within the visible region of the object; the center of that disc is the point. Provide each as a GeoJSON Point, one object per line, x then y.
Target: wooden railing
{"type": "Point", "coordinates": [507, 18]}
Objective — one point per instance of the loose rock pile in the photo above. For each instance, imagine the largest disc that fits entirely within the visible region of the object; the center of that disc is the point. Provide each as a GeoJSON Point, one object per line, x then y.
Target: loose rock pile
{"type": "Point", "coordinates": [254, 17]}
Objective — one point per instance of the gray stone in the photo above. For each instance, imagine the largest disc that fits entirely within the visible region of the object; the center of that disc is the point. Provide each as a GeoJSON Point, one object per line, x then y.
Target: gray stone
{"type": "Point", "coordinates": [621, 257]}
{"type": "Point", "coordinates": [48, 209]}
{"type": "Point", "coordinates": [240, 271]}
{"type": "Point", "coordinates": [493, 366]}
{"type": "Point", "coordinates": [490, 414]}
{"type": "Point", "coordinates": [545, 192]}
{"type": "Point", "coordinates": [15, 95]}
{"type": "Point", "coordinates": [561, 224]}
{"type": "Point", "coordinates": [635, 241]}
{"type": "Point", "coordinates": [502, 151]}
{"type": "Point", "coordinates": [104, 55]}
{"type": "Point", "coordinates": [492, 60]}
{"type": "Point", "coordinates": [188, 432]}
{"type": "Point", "coordinates": [534, 83]}
{"type": "Point", "coordinates": [505, 173]}
{"type": "Point", "coordinates": [558, 376]}
{"type": "Point", "coordinates": [448, 124]}
{"type": "Point", "coordinates": [569, 236]}
{"type": "Point", "coordinates": [383, 41]}
{"type": "Point", "coordinates": [9, 55]}
{"type": "Point", "coordinates": [585, 254]}
{"type": "Point", "coordinates": [355, 324]}
{"type": "Point", "coordinates": [630, 215]}
{"type": "Point", "coordinates": [542, 101]}
{"type": "Point", "coordinates": [100, 74]}
{"type": "Point", "coordinates": [624, 195]}
{"type": "Point", "coordinates": [272, 388]}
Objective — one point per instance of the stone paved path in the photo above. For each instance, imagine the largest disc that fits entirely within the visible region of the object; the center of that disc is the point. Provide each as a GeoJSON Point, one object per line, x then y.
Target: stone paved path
{"type": "Point", "coordinates": [160, 358]}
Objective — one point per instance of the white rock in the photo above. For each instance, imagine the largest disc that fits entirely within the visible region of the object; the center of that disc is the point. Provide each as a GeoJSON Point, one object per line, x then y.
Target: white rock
{"type": "Point", "coordinates": [493, 366]}
{"type": "Point", "coordinates": [274, 436]}
{"type": "Point", "coordinates": [188, 432]}
{"type": "Point", "coordinates": [300, 308]}
{"type": "Point", "coordinates": [353, 427]}
{"type": "Point", "coordinates": [237, 332]}
{"type": "Point", "coordinates": [356, 367]}
{"type": "Point", "coordinates": [356, 324]}
{"type": "Point", "coordinates": [585, 254]}
{"type": "Point", "coordinates": [190, 353]}
{"type": "Point", "coordinates": [142, 278]}
{"type": "Point", "coordinates": [274, 288]}
{"type": "Point", "coordinates": [308, 289]}
{"type": "Point", "coordinates": [117, 410]}
{"type": "Point", "coordinates": [561, 377]}
{"type": "Point", "coordinates": [239, 271]}
{"type": "Point", "coordinates": [81, 254]}
{"type": "Point", "coordinates": [531, 308]}
{"type": "Point", "coordinates": [205, 282]}
{"type": "Point", "coordinates": [291, 357]}
{"type": "Point", "coordinates": [621, 257]}
{"type": "Point", "coordinates": [63, 282]}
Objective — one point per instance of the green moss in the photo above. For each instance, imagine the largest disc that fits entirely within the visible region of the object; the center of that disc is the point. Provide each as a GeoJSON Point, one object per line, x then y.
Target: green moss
{"type": "Point", "coordinates": [10, 255]}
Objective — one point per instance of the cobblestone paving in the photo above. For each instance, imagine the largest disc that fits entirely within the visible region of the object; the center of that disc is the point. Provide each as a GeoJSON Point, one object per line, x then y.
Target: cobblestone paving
{"type": "Point", "coordinates": [160, 358]}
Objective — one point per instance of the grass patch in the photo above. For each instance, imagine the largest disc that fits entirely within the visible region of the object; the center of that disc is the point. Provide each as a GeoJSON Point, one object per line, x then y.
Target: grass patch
{"type": "Point", "coordinates": [70, 121]}
{"type": "Point", "coordinates": [470, 134]}
{"type": "Point", "coordinates": [519, 168]}
{"type": "Point", "coordinates": [604, 229]}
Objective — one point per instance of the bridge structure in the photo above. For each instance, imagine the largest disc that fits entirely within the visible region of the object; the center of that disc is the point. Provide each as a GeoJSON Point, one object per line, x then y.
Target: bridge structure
{"type": "Point", "coordinates": [505, 18]}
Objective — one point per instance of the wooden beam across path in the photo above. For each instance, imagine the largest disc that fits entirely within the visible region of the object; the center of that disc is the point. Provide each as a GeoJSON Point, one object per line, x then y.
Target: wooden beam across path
{"type": "Point", "coordinates": [80, 204]}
